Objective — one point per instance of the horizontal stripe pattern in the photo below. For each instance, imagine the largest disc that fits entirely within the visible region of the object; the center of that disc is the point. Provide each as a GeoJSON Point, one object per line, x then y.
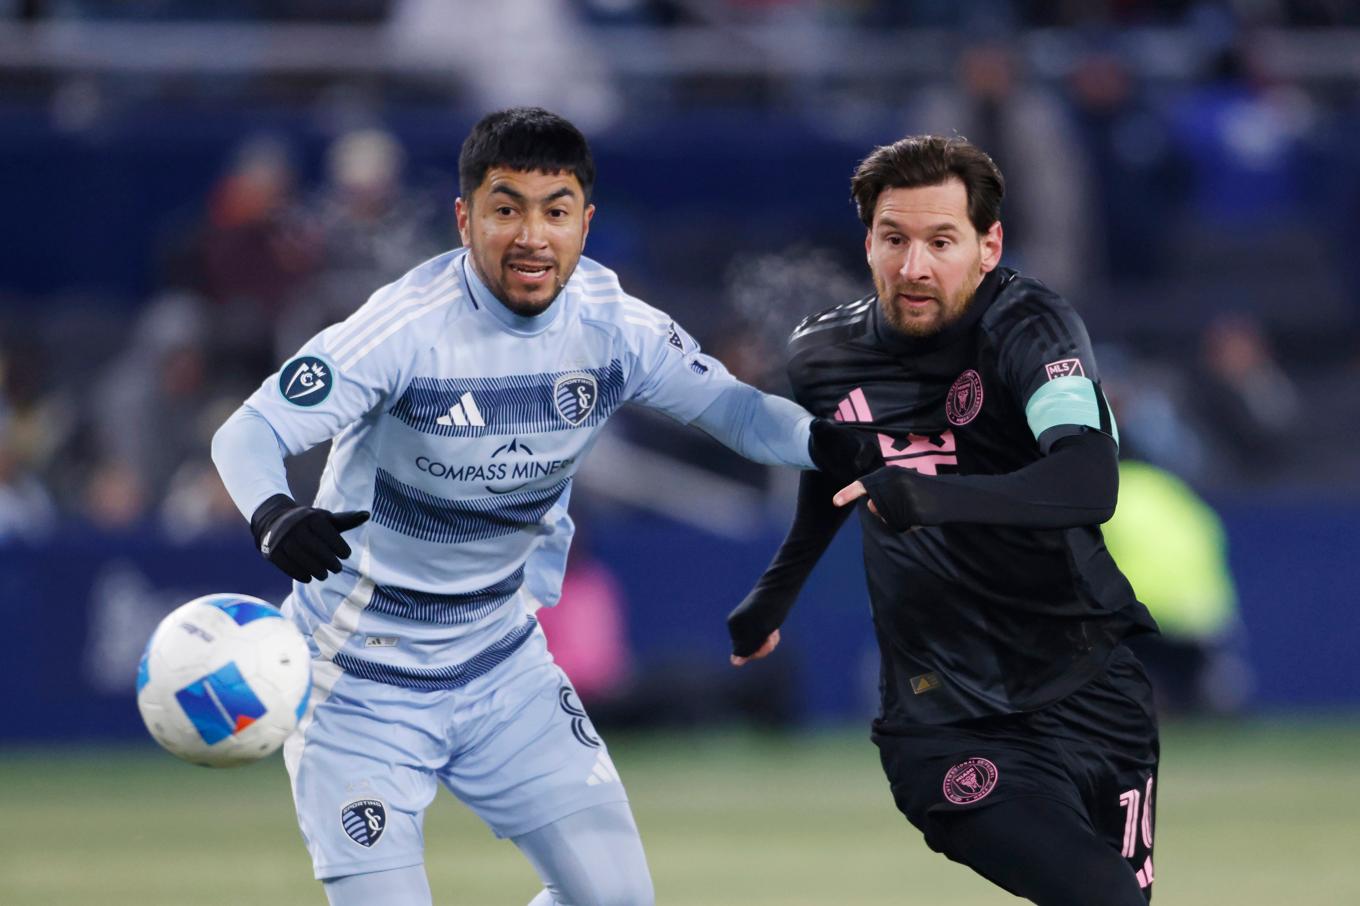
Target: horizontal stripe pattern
{"type": "Point", "coordinates": [416, 514]}
{"type": "Point", "coordinates": [430, 679]}
{"type": "Point", "coordinates": [446, 610]}
{"type": "Point", "coordinates": [514, 404]}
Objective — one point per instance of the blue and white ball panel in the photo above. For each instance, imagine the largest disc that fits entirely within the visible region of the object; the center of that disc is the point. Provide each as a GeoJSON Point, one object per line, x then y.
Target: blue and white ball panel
{"type": "Point", "coordinates": [220, 704]}
{"type": "Point", "coordinates": [372, 756]}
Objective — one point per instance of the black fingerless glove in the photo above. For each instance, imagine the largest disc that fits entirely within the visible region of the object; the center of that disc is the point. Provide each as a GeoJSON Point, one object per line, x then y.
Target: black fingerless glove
{"type": "Point", "coordinates": [842, 452]}
{"type": "Point", "coordinates": [302, 541]}
{"type": "Point", "coordinates": [893, 492]}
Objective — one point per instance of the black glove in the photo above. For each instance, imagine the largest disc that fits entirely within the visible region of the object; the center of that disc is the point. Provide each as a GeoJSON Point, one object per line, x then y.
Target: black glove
{"type": "Point", "coordinates": [842, 452]}
{"type": "Point", "coordinates": [893, 492]}
{"type": "Point", "coordinates": [302, 541]}
{"type": "Point", "coordinates": [751, 622]}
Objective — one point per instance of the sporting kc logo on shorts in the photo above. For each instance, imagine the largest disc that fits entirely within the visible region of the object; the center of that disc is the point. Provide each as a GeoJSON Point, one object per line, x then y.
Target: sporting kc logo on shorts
{"type": "Point", "coordinates": [364, 820]}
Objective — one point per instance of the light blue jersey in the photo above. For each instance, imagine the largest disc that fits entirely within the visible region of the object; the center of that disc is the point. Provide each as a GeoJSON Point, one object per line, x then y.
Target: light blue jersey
{"type": "Point", "coordinates": [459, 425]}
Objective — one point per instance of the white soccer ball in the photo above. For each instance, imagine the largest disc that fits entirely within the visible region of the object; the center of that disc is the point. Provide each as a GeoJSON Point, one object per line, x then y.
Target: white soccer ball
{"type": "Point", "coordinates": [224, 680]}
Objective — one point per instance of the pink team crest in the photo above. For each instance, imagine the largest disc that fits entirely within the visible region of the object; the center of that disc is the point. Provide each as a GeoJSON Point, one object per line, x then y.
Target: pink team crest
{"type": "Point", "coordinates": [1064, 368]}
{"type": "Point", "coordinates": [971, 780]}
{"type": "Point", "coordinates": [964, 401]}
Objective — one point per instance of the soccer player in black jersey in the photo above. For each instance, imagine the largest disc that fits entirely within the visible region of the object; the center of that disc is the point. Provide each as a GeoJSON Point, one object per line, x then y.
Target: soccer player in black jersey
{"type": "Point", "coordinates": [1016, 730]}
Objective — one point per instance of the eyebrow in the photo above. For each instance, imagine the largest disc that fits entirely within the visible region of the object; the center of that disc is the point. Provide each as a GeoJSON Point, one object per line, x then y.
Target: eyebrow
{"type": "Point", "coordinates": [564, 192]}
{"type": "Point", "coordinates": [942, 227]}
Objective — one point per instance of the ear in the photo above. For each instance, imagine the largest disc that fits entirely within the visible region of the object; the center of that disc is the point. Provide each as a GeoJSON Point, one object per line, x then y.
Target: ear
{"type": "Point", "coordinates": [463, 212]}
{"type": "Point", "coordinates": [585, 226]}
{"type": "Point", "coordinates": [869, 246]}
{"type": "Point", "coordinates": [991, 242]}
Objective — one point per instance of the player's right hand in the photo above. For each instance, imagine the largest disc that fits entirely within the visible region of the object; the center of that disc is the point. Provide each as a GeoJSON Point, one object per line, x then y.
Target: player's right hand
{"type": "Point", "coordinates": [771, 643]}
{"type": "Point", "coordinates": [302, 541]}
{"type": "Point", "coordinates": [752, 624]}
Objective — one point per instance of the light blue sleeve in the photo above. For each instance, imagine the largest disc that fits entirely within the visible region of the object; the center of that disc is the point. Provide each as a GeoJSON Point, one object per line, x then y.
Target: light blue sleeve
{"type": "Point", "coordinates": [337, 378]}
{"type": "Point", "coordinates": [696, 389]}
{"type": "Point", "coordinates": [759, 426]}
{"type": "Point", "coordinates": [249, 457]}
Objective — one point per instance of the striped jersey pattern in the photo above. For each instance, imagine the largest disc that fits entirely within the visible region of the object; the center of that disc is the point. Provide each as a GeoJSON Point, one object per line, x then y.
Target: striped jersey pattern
{"type": "Point", "coordinates": [459, 426]}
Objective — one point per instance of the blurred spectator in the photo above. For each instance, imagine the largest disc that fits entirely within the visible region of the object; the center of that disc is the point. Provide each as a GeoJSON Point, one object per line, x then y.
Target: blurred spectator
{"type": "Point", "coordinates": [1029, 133]}
{"type": "Point", "coordinates": [366, 228]}
{"type": "Point", "coordinates": [1242, 133]}
{"type": "Point", "coordinates": [1134, 178]}
{"type": "Point", "coordinates": [27, 511]}
{"type": "Point", "coordinates": [1246, 401]}
{"type": "Point", "coordinates": [509, 53]}
{"type": "Point", "coordinates": [1155, 425]}
{"type": "Point", "coordinates": [153, 410]}
{"type": "Point", "coordinates": [196, 502]}
{"type": "Point", "coordinates": [1172, 548]}
{"type": "Point", "coordinates": [254, 252]}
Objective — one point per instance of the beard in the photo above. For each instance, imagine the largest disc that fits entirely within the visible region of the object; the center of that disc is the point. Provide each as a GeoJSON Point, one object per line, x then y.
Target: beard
{"type": "Point", "coordinates": [934, 317]}
{"type": "Point", "coordinates": [525, 304]}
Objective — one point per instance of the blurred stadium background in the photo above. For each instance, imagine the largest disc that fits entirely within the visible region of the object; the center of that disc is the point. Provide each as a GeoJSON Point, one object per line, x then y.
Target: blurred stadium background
{"type": "Point", "coordinates": [190, 189]}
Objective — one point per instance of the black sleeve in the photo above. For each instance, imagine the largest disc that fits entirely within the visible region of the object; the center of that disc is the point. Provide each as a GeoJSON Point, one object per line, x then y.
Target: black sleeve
{"type": "Point", "coordinates": [1039, 338]}
{"type": "Point", "coordinates": [815, 523]}
{"type": "Point", "coordinates": [1077, 483]}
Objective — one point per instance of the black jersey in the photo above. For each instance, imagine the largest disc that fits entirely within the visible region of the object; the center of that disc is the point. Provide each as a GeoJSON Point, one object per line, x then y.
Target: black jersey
{"type": "Point", "coordinates": [972, 620]}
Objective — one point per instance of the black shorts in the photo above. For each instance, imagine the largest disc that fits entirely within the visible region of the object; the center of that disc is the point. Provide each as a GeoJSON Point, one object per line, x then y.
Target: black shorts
{"type": "Point", "coordinates": [1094, 751]}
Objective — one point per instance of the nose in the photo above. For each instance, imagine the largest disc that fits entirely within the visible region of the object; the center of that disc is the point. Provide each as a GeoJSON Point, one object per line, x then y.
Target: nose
{"type": "Point", "coordinates": [532, 233]}
{"type": "Point", "coordinates": [915, 264]}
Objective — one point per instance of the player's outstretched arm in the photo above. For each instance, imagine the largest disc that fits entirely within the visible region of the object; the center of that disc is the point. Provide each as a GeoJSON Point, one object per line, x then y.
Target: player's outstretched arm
{"type": "Point", "coordinates": [772, 430]}
{"type": "Point", "coordinates": [1076, 484]}
{"type": "Point", "coordinates": [754, 624]}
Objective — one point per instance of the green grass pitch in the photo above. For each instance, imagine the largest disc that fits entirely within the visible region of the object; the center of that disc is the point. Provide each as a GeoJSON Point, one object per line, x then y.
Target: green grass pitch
{"type": "Point", "coordinates": [1252, 813]}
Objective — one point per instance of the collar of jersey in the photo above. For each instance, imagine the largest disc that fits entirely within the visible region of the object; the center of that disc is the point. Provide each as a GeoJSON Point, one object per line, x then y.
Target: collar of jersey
{"type": "Point", "coordinates": [895, 340]}
{"type": "Point", "coordinates": [487, 301]}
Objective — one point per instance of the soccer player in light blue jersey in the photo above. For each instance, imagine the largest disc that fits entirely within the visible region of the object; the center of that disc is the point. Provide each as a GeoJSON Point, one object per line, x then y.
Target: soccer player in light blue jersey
{"type": "Point", "coordinates": [460, 400]}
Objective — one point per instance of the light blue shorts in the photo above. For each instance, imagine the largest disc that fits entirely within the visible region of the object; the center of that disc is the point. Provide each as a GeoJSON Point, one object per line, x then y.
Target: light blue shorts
{"type": "Point", "coordinates": [514, 745]}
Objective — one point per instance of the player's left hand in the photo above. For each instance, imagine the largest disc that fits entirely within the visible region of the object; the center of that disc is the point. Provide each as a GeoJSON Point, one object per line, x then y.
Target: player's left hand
{"type": "Point", "coordinates": [841, 451]}
{"type": "Point", "coordinates": [891, 497]}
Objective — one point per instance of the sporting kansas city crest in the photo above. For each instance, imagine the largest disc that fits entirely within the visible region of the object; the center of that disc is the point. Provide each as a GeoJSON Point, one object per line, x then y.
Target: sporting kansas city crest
{"type": "Point", "coordinates": [364, 820]}
{"type": "Point", "coordinates": [575, 396]}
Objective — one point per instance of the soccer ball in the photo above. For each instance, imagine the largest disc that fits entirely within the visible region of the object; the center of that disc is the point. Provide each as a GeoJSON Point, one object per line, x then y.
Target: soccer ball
{"type": "Point", "coordinates": [224, 680]}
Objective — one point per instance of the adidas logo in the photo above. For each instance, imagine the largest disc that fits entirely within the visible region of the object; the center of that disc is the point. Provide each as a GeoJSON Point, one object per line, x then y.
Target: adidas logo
{"type": "Point", "coordinates": [603, 772]}
{"type": "Point", "coordinates": [463, 413]}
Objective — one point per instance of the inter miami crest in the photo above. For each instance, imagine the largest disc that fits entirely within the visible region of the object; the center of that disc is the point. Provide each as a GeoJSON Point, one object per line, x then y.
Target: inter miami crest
{"type": "Point", "coordinates": [364, 820]}
{"type": "Point", "coordinates": [970, 780]}
{"type": "Point", "coordinates": [575, 396]}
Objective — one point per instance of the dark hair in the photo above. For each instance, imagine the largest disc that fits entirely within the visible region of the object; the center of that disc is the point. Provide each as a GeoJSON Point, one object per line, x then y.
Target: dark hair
{"type": "Point", "coordinates": [929, 160]}
{"type": "Point", "coordinates": [527, 139]}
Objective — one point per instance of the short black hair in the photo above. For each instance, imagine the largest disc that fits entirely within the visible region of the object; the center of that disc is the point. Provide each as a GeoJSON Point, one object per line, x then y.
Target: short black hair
{"type": "Point", "coordinates": [930, 160]}
{"type": "Point", "coordinates": [529, 139]}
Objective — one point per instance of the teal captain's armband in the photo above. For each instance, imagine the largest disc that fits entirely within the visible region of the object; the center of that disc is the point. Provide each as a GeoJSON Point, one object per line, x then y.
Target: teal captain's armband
{"type": "Point", "coordinates": [1070, 400]}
